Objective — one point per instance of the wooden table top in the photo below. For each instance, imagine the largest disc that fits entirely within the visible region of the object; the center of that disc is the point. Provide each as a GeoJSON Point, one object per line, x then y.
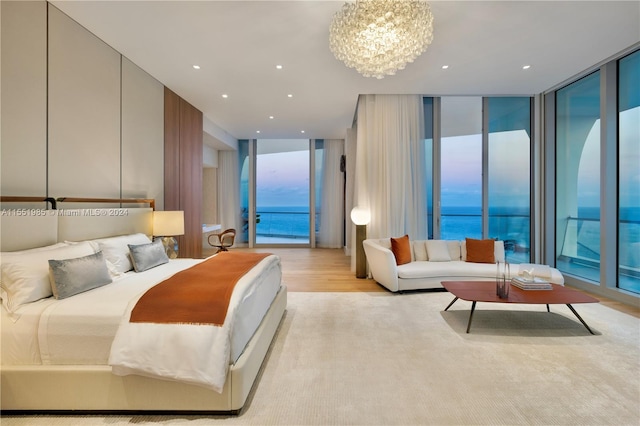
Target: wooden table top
{"type": "Point", "coordinates": [485, 291]}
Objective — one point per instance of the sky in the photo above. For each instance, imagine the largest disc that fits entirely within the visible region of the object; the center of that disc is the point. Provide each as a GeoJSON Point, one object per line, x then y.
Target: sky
{"type": "Point", "coordinates": [283, 178]}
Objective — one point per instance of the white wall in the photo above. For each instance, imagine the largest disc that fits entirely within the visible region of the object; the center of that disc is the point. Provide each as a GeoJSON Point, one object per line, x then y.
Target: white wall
{"type": "Point", "coordinates": [79, 120]}
{"type": "Point", "coordinates": [84, 112]}
{"type": "Point", "coordinates": [142, 135]}
{"type": "Point", "coordinates": [23, 101]}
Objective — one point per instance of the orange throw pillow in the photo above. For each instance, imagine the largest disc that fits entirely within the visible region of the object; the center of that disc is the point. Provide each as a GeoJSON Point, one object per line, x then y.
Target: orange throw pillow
{"type": "Point", "coordinates": [480, 251]}
{"type": "Point", "coordinates": [401, 249]}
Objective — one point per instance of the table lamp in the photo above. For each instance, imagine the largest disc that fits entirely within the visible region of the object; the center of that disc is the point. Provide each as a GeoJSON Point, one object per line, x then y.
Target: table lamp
{"type": "Point", "coordinates": [360, 217]}
{"type": "Point", "coordinates": [167, 224]}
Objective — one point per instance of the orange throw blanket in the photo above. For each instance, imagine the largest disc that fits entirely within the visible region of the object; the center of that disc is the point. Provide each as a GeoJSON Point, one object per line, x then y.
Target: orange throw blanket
{"type": "Point", "coordinates": [198, 295]}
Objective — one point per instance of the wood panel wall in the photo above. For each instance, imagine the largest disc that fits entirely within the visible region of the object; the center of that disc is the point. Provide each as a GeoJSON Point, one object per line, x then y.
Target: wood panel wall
{"type": "Point", "coordinates": [183, 169]}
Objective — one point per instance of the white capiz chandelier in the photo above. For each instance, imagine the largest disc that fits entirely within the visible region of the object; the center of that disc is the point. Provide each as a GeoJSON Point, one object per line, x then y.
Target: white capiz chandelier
{"type": "Point", "coordinates": [379, 37]}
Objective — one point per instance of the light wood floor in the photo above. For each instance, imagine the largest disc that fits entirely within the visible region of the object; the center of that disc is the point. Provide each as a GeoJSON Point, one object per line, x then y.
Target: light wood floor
{"type": "Point", "coordinates": [329, 270]}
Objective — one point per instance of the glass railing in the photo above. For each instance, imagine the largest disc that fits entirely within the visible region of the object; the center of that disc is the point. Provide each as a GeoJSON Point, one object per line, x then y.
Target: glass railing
{"type": "Point", "coordinates": [513, 229]}
{"type": "Point", "coordinates": [580, 251]}
{"type": "Point", "coordinates": [283, 226]}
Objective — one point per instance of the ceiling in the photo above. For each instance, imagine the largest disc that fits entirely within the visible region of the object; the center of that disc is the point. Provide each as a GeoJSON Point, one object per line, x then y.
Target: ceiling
{"type": "Point", "coordinates": [238, 44]}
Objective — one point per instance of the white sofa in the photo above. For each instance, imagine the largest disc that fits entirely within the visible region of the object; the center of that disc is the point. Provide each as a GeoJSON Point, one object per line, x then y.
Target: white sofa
{"type": "Point", "coordinates": [422, 273]}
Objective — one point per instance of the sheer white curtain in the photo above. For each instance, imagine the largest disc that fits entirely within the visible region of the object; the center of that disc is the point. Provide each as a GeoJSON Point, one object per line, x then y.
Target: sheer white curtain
{"type": "Point", "coordinates": [229, 185]}
{"type": "Point", "coordinates": [390, 165]}
{"type": "Point", "coordinates": [331, 197]}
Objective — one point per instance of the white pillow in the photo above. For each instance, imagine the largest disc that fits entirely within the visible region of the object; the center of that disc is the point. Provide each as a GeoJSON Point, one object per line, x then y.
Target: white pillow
{"type": "Point", "coordinates": [438, 251]}
{"type": "Point", "coordinates": [24, 275]}
{"type": "Point", "coordinates": [498, 250]}
{"type": "Point", "coordinates": [116, 249]}
{"type": "Point", "coordinates": [454, 249]}
{"type": "Point", "coordinates": [419, 250]}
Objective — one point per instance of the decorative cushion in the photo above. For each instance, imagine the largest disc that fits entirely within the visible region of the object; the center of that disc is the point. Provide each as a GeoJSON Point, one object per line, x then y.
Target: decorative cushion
{"type": "Point", "coordinates": [420, 250]}
{"type": "Point", "coordinates": [438, 251]}
{"type": "Point", "coordinates": [116, 249]}
{"type": "Point", "coordinates": [454, 249]}
{"type": "Point", "coordinates": [24, 275]}
{"type": "Point", "coordinates": [73, 276]}
{"type": "Point", "coordinates": [147, 256]}
{"type": "Point", "coordinates": [401, 249]}
{"type": "Point", "coordinates": [480, 251]}
{"type": "Point", "coordinates": [498, 251]}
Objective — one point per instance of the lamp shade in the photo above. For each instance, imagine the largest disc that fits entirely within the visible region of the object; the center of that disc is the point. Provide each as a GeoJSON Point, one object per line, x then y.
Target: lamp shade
{"type": "Point", "coordinates": [360, 216]}
{"type": "Point", "coordinates": [168, 223]}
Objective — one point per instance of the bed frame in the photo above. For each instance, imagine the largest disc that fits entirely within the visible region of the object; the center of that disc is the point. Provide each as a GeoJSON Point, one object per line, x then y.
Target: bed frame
{"type": "Point", "coordinates": [80, 388]}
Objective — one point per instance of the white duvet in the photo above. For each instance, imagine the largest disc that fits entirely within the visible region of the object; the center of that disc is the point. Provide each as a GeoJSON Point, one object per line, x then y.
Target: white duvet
{"type": "Point", "coordinates": [191, 353]}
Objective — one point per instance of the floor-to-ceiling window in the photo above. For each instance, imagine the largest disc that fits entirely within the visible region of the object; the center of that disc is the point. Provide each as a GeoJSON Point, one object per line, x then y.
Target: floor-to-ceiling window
{"type": "Point", "coordinates": [244, 165]}
{"type": "Point", "coordinates": [428, 160]}
{"type": "Point", "coordinates": [461, 168]}
{"type": "Point", "coordinates": [629, 172]}
{"type": "Point", "coordinates": [578, 178]}
{"type": "Point", "coordinates": [509, 174]}
{"type": "Point", "coordinates": [282, 191]}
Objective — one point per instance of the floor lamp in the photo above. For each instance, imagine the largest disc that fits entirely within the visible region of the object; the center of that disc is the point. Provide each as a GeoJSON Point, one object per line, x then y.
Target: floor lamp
{"type": "Point", "coordinates": [360, 217]}
{"type": "Point", "coordinates": [167, 224]}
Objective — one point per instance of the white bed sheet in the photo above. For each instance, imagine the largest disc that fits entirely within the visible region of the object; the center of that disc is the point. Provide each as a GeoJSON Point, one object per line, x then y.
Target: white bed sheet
{"type": "Point", "coordinates": [79, 330]}
{"type": "Point", "coordinates": [19, 338]}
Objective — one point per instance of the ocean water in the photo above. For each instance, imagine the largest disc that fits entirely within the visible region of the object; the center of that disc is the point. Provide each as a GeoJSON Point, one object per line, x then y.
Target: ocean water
{"type": "Point", "coordinates": [457, 223]}
{"type": "Point", "coordinates": [507, 224]}
{"type": "Point", "coordinates": [283, 222]}
{"type": "Point", "coordinates": [511, 225]}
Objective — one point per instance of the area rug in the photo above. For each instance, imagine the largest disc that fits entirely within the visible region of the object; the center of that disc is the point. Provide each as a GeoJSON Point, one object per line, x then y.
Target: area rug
{"type": "Point", "coordinates": [391, 359]}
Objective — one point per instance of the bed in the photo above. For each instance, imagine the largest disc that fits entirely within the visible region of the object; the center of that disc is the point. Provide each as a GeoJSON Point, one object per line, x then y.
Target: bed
{"type": "Point", "coordinates": [55, 353]}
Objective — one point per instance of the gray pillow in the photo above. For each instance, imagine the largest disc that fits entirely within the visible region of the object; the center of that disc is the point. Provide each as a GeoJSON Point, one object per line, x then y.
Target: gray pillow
{"type": "Point", "coordinates": [72, 276]}
{"type": "Point", "coordinates": [147, 256]}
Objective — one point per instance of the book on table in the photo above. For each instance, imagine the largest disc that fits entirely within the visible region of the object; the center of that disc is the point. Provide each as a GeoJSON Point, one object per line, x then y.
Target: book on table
{"type": "Point", "coordinates": [531, 284]}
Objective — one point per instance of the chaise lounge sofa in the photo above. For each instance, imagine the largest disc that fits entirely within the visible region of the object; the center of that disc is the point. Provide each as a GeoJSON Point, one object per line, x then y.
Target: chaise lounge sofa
{"type": "Point", "coordinates": [434, 261]}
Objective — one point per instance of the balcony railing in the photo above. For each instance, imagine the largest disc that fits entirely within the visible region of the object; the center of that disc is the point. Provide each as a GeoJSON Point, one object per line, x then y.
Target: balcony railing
{"type": "Point", "coordinates": [580, 251]}
{"type": "Point", "coordinates": [284, 225]}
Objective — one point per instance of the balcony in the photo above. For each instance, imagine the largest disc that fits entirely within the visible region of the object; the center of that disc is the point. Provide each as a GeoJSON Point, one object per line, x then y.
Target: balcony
{"type": "Point", "coordinates": [580, 251]}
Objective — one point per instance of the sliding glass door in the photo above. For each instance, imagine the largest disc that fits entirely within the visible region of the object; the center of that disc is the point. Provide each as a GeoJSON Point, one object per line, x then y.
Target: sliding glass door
{"type": "Point", "coordinates": [578, 178]}
{"type": "Point", "coordinates": [461, 168]}
{"type": "Point", "coordinates": [509, 174]}
{"type": "Point", "coordinates": [282, 191]}
{"type": "Point", "coordinates": [485, 171]}
{"type": "Point", "coordinates": [629, 173]}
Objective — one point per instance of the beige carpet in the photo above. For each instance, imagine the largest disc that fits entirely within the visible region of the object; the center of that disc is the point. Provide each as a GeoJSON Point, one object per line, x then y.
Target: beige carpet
{"type": "Point", "coordinates": [379, 358]}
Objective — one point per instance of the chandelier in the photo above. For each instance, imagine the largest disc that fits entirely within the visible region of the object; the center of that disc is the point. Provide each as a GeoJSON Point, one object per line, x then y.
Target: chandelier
{"type": "Point", "coordinates": [379, 37]}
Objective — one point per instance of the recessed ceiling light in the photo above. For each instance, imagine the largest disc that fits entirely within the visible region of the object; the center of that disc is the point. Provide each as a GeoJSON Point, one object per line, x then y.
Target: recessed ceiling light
{"type": "Point", "coordinates": [196, 67]}
{"type": "Point", "coordinates": [271, 117]}
{"type": "Point", "coordinates": [224, 95]}
{"type": "Point", "coordinates": [290, 95]}
{"type": "Point", "coordinates": [279, 67]}
{"type": "Point", "coordinates": [526, 67]}
{"type": "Point", "coordinates": [257, 131]}
{"type": "Point", "coordinates": [444, 67]}
{"type": "Point", "coordinates": [301, 131]}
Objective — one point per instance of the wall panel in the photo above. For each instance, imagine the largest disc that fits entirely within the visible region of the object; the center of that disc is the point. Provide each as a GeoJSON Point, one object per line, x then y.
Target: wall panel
{"type": "Point", "coordinates": [23, 100]}
{"type": "Point", "coordinates": [142, 135]}
{"type": "Point", "coordinates": [84, 111]}
{"type": "Point", "coordinates": [191, 178]}
{"type": "Point", "coordinates": [171, 150]}
{"type": "Point", "coordinates": [183, 169]}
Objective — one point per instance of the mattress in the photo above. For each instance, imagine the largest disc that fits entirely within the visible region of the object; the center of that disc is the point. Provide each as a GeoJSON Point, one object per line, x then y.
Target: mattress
{"type": "Point", "coordinates": [79, 330]}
